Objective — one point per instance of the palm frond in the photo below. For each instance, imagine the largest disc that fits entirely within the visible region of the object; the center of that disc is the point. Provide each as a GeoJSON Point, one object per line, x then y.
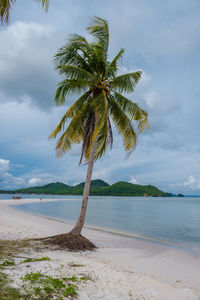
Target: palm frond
{"type": "Point", "coordinates": [74, 132]}
{"type": "Point", "coordinates": [134, 112]}
{"type": "Point", "coordinates": [102, 136]}
{"type": "Point", "coordinates": [69, 86]}
{"type": "Point", "coordinates": [99, 29]}
{"type": "Point", "coordinates": [78, 41]}
{"type": "Point", "coordinates": [125, 83]}
{"type": "Point", "coordinates": [143, 122]}
{"type": "Point", "coordinates": [112, 66]}
{"type": "Point", "coordinates": [74, 72]}
{"type": "Point", "coordinates": [75, 52]}
{"type": "Point", "coordinates": [110, 133]}
{"type": "Point", "coordinates": [99, 105]}
{"type": "Point", "coordinates": [89, 128]}
{"type": "Point", "coordinates": [44, 3]}
{"type": "Point", "coordinates": [76, 107]}
{"type": "Point", "coordinates": [123, 125]}
{"type": "Point", "coordinates": [96, 60]}
{"type": "Point", "coordinates": [5, 8]}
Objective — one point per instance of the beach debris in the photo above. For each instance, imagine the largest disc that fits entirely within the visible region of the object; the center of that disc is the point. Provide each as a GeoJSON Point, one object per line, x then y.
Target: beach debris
{"type": "Point", "coordinates": [74, 265]}
{"type": "Point", "coordinates": [93, 276]}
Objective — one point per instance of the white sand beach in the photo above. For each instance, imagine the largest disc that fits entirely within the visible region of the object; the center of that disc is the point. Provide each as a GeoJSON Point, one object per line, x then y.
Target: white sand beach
{"type": "Point", "coordinates": [121, 268]}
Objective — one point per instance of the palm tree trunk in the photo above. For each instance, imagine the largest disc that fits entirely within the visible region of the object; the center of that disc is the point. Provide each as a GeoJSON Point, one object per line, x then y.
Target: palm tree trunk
{"type": "Point", "coordinates": [79, 224]}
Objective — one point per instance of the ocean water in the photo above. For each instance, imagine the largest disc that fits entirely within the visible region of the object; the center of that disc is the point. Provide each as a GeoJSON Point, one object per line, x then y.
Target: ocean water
{"type": "Point", "coordinates": [174, 221]}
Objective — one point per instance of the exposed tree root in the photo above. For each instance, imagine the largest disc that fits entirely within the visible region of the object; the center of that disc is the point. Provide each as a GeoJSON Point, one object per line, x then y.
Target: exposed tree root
{"type": "Point", "coordinates": [72, 242]}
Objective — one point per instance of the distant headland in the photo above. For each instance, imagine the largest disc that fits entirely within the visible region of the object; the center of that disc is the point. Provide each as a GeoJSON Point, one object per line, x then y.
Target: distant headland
{"type": "Point", "coordinates": [98, 188]}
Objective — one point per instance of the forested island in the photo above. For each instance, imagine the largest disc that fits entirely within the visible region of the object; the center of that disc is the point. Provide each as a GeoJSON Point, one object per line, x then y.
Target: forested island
{"type": "Point", "coordinates": [98, 188]}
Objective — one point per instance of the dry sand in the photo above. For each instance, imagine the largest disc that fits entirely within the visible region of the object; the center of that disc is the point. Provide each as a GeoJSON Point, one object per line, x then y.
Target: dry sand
{"type": "Point", "coordinates": [122, 268]}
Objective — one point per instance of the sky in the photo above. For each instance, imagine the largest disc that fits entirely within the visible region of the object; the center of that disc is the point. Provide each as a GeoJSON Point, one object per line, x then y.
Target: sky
{"type": "Point", "coordinates": [161, 38]}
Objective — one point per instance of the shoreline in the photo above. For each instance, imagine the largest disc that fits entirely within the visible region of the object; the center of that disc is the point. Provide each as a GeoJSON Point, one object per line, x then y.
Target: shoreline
{"type": "Point", "coordinates": [163, 243]}
{"type": "Point", "coordinates": [172, 269]}
{"type": "Point", "coordinates": [127, 235]}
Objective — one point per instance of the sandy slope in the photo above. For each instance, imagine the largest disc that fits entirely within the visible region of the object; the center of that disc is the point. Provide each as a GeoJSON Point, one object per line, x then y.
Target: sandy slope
{"type": "Point", "coordinates": [122, 268]}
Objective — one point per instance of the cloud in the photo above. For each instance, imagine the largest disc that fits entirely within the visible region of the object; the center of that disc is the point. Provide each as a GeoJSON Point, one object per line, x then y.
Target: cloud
{"type": "Point", "coordinates": [189, 187]}
{"type": "Point", "coordinates": [26, 68]}
{"type": "Point", "coordinates": [7, 180]}
{"type": "Point", "coordinates": [168, 104]}
{"type": "Point", "coordinates": [191, 180]}
{"type": "Point", "coordinates": [34, 181]}
{"type": "Point", "coordinates": [4, 165]}
{"type": "Point", "coordinates": [133, 180]}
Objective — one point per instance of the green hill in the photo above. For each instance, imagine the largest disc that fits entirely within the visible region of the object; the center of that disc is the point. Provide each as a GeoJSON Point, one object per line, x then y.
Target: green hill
{"type": "Point", "coordinates": [98, 188]}
{"type": "Point", "coordinates": [98, 183]}
{"type": "Point", "coordinates": [122, 188]}
{"type": "Point", "coordinates": [95, 185]}
{"type": "Point", "coordinates": [51, 188]}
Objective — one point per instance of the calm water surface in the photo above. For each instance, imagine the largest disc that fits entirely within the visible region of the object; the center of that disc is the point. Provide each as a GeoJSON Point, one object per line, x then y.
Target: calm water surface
{"type": "Point", "coordinates": [171, 220]}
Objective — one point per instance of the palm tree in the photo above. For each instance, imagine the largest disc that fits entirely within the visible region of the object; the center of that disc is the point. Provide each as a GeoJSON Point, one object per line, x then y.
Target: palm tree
{"type": "Point", "coordinates": [87, 71]}
{"type": "Point", "coordinates": [6, 6]}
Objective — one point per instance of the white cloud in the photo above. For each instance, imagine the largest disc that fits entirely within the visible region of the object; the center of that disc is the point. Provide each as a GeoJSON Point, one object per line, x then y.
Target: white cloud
{"type": "Point", "coordinates": [162, 103]}
{"type": "Point", "coordinates": [19, 43]}
{"type": "Point", "coordinates": [34, 181]}
{"type": "Point", "coordinates": [191, 180]}
{"type": "Point", "coordinates": [7, 180]}
{"type": "Point", "coordinates": [133, 180]}
{"type": "Point", "coordinates": [4, 165]}
{"type": "Point", "coordinates": [192, 183]}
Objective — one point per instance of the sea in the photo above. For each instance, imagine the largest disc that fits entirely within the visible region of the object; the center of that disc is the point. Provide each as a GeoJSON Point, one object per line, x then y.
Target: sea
{"type": "Point", "coordinates": [172, 221]}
